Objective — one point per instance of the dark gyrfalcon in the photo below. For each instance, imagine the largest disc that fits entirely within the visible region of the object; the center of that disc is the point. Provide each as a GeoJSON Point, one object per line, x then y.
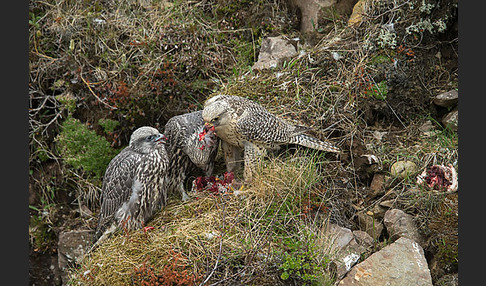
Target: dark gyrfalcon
{"type": "Point", "coordinates": [134, 184]}
{"type": "Point", "coordinates": [244, 125]}
{"type": "Point", "coordinates": [186, 151]}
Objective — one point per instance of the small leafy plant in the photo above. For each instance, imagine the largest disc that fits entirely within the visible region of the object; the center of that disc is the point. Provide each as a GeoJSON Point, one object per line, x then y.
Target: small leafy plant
{"type": "Point", "coordinates": [300, 260]}
{"type": "Point", "coordinates": [378, 91]}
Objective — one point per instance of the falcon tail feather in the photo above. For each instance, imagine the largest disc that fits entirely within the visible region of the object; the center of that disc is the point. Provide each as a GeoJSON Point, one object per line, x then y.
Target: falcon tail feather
{"type": "Point", "coordinates": [298, 129]}
{"type": "Point", "coordinates": [314, 143]}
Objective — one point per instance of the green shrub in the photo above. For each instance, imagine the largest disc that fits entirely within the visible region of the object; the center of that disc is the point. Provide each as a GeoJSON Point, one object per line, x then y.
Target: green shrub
{"type": "Point", "coordinates": [83, 148]}
{"type": "Point", "coordinates": [301, 260]}
{"type": "Point", "coordinates": [108, 125]}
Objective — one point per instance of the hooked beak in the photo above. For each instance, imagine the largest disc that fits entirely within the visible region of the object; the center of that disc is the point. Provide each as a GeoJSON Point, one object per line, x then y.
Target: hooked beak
{"type": "Point", "coordinates": [207, 126]}
{"type": "Point", "coordinates": [161, 138]}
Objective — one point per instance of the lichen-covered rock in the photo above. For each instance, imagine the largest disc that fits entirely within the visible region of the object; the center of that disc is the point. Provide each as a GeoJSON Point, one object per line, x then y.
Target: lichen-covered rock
{"type": "Point", "coordinates": [403, 169]}
{"type": "Point", "coordinates": [401, 263]}
{"type": "Point", "coordinates": [427, 128]}
{"type": "Point", "coordinates": [357, 15]}
{"type": "Point", "coordinates": [451, 120]}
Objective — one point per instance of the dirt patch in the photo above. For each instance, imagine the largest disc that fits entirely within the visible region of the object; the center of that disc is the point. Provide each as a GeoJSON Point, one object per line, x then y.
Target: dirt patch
{"type": "Point", "coordinates": [43, 268]}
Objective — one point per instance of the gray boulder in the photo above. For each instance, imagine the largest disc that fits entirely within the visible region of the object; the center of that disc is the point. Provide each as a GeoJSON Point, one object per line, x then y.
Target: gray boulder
{"type": "Point", "coordinates": [273, 52]}
{"type": "Point", "coordinates": [400, 224]}
{"type": "Point", "coordinates": [447, 99]}
{"type": "Point", "coordinates": [309, 10]}
{"type": "Point", "coordinates": [363, 238]}
{"type": "Point", "coordinates": [401, 263]}
{"type": "Point", "coordinates": [347, 249]}
{"type": "Point", "coordinates": [371, 225]}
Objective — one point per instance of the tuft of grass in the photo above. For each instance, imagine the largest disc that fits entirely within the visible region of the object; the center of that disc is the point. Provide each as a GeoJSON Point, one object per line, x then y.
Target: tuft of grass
{"type": "Point", "coordinates": [41, 233]}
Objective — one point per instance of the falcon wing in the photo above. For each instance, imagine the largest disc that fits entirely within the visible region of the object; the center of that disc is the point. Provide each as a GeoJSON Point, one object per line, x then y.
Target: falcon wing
{"type": "Point", "coordinates": [264, 127]}
{"type": "Point", "coordinates": [117, 186]}
{"type": "Point", "coordinates": [174, 130]}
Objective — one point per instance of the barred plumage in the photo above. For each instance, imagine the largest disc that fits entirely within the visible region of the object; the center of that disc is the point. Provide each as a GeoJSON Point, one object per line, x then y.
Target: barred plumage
{"type": "Point", "coordinates": [134, 183]}
{"type": "Point", "coordinates": [245, 125]}
{"type": "Point", "coordinates": [186, 152]}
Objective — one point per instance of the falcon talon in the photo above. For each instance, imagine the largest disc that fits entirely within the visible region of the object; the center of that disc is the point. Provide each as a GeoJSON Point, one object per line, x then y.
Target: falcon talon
{"type": "Point", "coordinates": [147, 228]}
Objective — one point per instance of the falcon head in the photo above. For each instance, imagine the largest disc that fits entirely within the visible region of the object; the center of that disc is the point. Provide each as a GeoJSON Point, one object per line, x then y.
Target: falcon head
{"type": "Point", "coordinates": [217, 114]}
{"type": "Point", "coordinates": [146, 139]}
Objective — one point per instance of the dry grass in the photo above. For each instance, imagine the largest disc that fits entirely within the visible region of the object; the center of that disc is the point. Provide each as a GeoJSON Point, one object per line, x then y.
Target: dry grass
{"type": "Point", "coordinates": [236, 236]}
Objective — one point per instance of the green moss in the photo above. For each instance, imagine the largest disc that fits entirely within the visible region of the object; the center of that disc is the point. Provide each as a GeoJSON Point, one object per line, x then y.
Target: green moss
{"type": "Point", "coordinates": [379, 59]}
{"type": "Point", "coordinates": [444, 233]}
{"type": "Point", "coordinates": [448, 252]}
{"type": "Point", "coordinates": [245, 53]}
{"type": "Point", "coordinates": [42, 155]}
{"type": "Point", "coordinates": [83, 148]}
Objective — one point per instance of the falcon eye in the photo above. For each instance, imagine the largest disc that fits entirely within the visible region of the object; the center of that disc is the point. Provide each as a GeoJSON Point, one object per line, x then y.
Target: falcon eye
{"type": "Point", "coordinates": [150, 138]}
{"type": "Point", "coordinates": [215, 119]}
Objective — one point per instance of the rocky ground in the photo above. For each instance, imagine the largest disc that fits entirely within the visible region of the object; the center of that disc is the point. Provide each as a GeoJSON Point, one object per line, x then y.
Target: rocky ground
{"type": "Point", "coordinates": [377, 78]}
